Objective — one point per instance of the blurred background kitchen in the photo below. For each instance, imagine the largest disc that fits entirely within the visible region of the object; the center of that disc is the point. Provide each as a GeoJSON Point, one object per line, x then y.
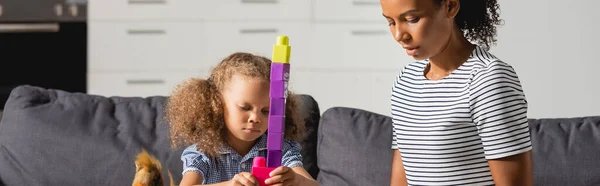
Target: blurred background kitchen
{"type": "Point", "coordinates": [342, 51]}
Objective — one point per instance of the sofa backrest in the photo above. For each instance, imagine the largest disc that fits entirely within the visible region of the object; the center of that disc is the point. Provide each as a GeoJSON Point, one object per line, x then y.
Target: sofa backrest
{"type": "Point", "coordinates": [566, 151]}
{"type": "Point", "coordinates": [354, 148]}
{"type": "Point", "coordinates": [53, 137]}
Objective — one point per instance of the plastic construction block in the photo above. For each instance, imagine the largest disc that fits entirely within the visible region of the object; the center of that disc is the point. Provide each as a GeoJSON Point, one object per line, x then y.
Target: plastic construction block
{"type": "Point", "coordinates": [280, 72]}
{"type": "Point", "coordinates": [278, 89]}
{"type": "Point", "coordinates": [281, 50]}
{"type": "Point", "coordinates": [260, 170]}
{"type": "Point", "coordinates": [274, 158]}
{"type": "Point", "coordinates": [277, 106]}
{"type": "Point", "coordinates": [274, 141]}
{"type": "Point", "coordinates": [276, 124]}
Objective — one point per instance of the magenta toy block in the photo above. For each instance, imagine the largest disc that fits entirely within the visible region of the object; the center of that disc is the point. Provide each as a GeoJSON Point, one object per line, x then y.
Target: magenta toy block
{"type": "Point", "coordinates": [277, 106]}
{"type": "Point", "coordinates": [276, 124]}
{"type": "Point", "coordinates": [274, 158]}
{"type": "Point", "coordinates": [260, 171]}
{"type": "Point", "coordinates": [280, 72]}
{"type": "Point", "coordinates": [278, 89]}
{"type": "Point", "coordinates": [274, 141]}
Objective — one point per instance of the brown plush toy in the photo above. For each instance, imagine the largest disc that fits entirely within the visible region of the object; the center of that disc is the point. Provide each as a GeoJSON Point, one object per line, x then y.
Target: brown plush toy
{"type": "Point", "coordinates": [148, 171]}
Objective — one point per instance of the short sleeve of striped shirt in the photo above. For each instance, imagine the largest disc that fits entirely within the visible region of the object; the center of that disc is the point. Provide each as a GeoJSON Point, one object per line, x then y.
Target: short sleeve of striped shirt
{"type": "Point", "coordinates": [395, 127]}
{"type": "Point", "coordinates": [291, 154]}
{"type": "Point", "coordinates": [195, 161]}
{"type": "Point", "coordinates": [499, 110]}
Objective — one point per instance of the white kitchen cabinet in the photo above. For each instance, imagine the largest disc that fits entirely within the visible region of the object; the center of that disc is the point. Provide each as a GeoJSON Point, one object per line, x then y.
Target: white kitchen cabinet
{"type": "Point", "coordinates": [258, 38]}
{"type": "Point", "coordinates": [146, 46]}
{"type": "Point", "coordinates": [365, 46]}
{"type": "Point", "coordinates": [133, 84]}
{"type": "Point", "coordinates": [348, 10]}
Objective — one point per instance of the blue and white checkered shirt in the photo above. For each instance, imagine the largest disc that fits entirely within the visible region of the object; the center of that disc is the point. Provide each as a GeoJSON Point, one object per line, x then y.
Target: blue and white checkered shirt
{"type": "Point", "coordinates": [229, 162]}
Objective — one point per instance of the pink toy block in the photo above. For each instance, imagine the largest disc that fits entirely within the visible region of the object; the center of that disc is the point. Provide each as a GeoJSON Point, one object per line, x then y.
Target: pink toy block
{"type": "Point", "coordinates": [274, 158]}
{"type": "Point", "coordinates": [277, 106]}
{"type": "Point", "coordinates": [276, 124]}
{"type": "Point", "coordinates": [260, 171]}
{"type": "Point", "coordinates": [280, 72]}
{"type": "Point", "coordinates": [278, 89]}
{"type": "Point", "coordinates": [274, 141]}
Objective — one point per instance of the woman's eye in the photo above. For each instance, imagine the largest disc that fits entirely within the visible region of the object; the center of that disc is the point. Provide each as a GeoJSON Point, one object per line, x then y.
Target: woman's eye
{"type": "Point", "coordinates": [413, 19]}
{"type": "Point", "coordinates": [390, 23]}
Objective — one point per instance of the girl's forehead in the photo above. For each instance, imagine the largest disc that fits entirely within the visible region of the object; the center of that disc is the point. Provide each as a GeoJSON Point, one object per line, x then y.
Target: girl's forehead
{"type": "Point", "coordinates": [247, 85]}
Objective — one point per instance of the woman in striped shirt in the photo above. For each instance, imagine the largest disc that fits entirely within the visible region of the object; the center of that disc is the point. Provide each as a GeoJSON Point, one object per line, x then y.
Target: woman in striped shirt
{"type": "Point", "coordinates": [459, 113]}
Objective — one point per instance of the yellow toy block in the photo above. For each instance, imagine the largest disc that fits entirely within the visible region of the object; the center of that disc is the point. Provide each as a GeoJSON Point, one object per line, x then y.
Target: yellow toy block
{"type": "Point", "coordinates": [281, 50]}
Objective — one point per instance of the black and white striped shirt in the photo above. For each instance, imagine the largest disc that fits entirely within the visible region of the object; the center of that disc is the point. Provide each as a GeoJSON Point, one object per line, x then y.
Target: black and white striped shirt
{"type": "Point", "coordinates": [447, 129]}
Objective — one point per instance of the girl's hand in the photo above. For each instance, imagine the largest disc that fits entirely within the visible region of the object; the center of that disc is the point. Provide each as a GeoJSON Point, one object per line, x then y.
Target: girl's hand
{"type": "Point", "coordinates": [283, 176]}
{"type": "Point", "coordinates": [243, 179]}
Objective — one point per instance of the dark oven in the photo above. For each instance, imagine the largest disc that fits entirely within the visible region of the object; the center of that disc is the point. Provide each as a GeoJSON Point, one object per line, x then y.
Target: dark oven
{"type": "Point", "coordinates": [43, 43]}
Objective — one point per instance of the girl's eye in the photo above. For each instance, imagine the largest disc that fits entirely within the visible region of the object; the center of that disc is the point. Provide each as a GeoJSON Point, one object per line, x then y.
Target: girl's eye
{"type": "Point", "coordinates": [413, 20]}
{"type": "Point", "coordinates": [265, 111]}
{"type": "Point", "coordinates": [245, 108]}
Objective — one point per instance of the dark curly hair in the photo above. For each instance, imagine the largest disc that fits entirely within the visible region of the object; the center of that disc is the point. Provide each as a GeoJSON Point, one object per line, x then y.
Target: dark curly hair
{"type": "Point", "coordinates": [195, 109]}
{"type": "Point", "coordinates": [478, 19]}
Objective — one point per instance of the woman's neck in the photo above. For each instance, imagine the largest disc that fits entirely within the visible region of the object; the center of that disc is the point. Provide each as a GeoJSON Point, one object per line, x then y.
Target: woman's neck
{"type": "Point", "coordinates": [456, 51]}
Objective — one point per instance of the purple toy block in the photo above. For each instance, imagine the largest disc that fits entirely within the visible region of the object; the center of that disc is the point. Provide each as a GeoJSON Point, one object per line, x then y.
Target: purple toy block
{"type": "Point", "coordinates": [280, 72]}
{"type": "Point", "coordinates": [274, 158]}
{"type": "Point", "coordinates": [275, 140]}
{"type": "Point", "coordinates": [277, 106]}
{"type": "Point", "coordinates": [276, 124]}
{"type": "Point", "coordinates": [278, 89]}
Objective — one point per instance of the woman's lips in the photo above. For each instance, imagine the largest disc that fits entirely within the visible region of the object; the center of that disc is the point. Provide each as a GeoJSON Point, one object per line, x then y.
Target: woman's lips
{"type": "Point", "coordinates": [411, 51]}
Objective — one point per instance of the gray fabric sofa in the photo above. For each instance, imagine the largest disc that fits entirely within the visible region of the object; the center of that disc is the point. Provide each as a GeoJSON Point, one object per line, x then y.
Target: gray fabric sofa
{"type": "Point", "coordinates": [52, 137]}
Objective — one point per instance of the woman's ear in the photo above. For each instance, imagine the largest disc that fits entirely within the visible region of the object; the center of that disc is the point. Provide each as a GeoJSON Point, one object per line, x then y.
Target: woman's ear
{"type": "Point", "coordinates": [452, 6]}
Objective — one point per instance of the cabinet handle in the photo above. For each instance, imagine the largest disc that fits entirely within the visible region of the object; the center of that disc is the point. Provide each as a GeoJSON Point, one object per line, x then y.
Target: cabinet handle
{"type": "Point", "coordinates": [139, 2]}
{"type": "Point", "coordinates": [28, 27]}
{"type": "Point", "coordinates": [258, 31]}
{"type": "Point", "coordinates": [368, 32]}
{"type": "Point", "coordinates": [259, 1]}
{"type": "Point", "coordinates": [145, 81]}
{"type": "Point", "coordinates": [364, 3]}
{"type": "Point", "coordinates": [146, 32]}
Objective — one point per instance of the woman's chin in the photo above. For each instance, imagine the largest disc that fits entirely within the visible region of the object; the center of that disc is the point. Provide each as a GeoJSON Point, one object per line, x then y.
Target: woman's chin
{"type": "Point", "coordinates": [419, 57]}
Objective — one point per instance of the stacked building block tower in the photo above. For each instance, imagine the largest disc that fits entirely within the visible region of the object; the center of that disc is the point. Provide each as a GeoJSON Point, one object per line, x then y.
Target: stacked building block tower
{"type": "Point", "coordinates": [280, 75]}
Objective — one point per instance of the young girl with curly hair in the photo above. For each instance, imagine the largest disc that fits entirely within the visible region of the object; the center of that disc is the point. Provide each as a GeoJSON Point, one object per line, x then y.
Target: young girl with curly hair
{"type": "Point", "coordinates": [223, 120]}
{"type": "Point", "coordinates": [459, 112]}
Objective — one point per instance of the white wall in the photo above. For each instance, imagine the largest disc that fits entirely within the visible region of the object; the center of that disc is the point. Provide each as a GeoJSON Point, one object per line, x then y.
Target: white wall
{"type": "Point", "coordinates": [553, 46]}
{"type": "Point", "coordinates": [345, 57]}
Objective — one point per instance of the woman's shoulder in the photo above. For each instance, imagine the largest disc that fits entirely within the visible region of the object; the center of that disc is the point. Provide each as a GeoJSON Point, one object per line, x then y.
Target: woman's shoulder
{"type": "Point", "coordinates": [482, 60]}
{"type": "Point", "coordinates": [415, 66]}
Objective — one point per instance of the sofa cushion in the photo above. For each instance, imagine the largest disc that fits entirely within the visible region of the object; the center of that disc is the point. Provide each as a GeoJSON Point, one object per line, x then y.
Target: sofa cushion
{"type": "Point", "coordinates": [53, 137]}
{"type": "Point", "coordinates": [312, 115]}
{"type": "Point", "coordinates": [354, 148]}
{"type": "Point", "coordinates": [566, 151]}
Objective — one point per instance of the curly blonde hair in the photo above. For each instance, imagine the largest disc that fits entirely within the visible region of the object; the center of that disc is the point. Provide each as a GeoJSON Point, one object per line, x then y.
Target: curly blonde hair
{"type": "Point", "coordinates": [195, 109]}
